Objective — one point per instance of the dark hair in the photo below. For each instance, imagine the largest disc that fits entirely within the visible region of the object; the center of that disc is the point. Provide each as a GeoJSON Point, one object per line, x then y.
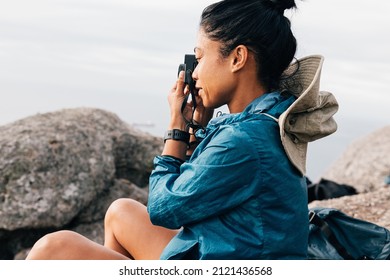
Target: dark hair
{"type": "Point", "coordinates": [261, 26]}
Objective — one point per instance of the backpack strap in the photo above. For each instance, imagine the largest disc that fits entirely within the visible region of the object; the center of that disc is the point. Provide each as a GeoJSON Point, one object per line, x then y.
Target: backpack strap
{"type": "Point", "coordinates": [325, 228]}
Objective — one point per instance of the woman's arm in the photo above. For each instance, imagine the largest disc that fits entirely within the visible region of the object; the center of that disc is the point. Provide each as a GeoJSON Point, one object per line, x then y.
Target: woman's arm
{"type": "Point", "coordinates": [202, 116]}
{"type": "Point", "coordinates": [221, 177]}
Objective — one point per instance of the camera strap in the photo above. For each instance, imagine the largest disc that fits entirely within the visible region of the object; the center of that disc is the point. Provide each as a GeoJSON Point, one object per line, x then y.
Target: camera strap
{"type": "Point", "coordinates": [191, 123]}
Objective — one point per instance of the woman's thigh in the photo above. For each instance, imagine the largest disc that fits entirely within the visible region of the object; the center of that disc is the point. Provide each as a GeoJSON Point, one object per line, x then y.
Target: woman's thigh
{"type": "Point", "coordinates": [69, 245]}
{"type": "Point", "coordinates": [128, 233]}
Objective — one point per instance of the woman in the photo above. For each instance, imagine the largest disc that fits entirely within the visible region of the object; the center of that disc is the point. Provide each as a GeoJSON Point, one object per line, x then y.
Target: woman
{"type": "Point", "coordinates": [239, 192]}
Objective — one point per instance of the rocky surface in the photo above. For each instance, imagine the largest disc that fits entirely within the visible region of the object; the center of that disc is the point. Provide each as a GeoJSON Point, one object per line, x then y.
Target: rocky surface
{"type": "Point", "coordinates": [365, 165]}
{"type": "Point", "coordinates": [373, 206]}
{"type": "Point", "coordinates": [63, 169]}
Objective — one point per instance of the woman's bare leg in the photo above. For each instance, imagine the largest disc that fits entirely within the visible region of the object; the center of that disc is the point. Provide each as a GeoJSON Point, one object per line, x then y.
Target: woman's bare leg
{"type": "Point", "coordinates": [69, 245]}
{"type": "Point", "coordinates": [128, 234]}
{"type": "Point", "coordinates": [128, 230]}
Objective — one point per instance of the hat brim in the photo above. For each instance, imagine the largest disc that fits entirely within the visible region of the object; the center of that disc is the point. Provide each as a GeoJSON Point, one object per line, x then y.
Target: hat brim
{"type": "Point", "coordinates": [310, 116]}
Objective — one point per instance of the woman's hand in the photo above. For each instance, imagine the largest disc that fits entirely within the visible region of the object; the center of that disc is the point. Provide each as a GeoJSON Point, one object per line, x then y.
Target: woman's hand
{"type": "Point", "coordinates": [176, 98]}
{"type": "Point", "coordinates": [202, 115]}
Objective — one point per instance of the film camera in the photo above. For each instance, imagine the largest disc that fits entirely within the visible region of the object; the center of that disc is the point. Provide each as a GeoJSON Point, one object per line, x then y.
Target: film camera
{"type": "Point", "coordinates": [188, 67]}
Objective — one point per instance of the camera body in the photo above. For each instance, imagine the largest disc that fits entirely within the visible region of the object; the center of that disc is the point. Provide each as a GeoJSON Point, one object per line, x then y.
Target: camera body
{"type": "Point", "coordinates": [188, 67]}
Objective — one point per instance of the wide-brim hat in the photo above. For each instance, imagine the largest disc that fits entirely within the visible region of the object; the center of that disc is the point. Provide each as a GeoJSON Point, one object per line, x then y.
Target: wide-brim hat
{"type": "Point", "coordinates": [310, 117]}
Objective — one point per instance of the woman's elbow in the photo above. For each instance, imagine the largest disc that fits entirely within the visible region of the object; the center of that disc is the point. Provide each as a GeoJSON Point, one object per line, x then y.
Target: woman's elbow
{"type": "Point", "coordinates": [161, 217]}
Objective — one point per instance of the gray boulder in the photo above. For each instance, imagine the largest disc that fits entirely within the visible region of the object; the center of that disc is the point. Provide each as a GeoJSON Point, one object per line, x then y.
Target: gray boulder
{"type": "Point", "coordinates": [365, 164]}
{"type": "Point", "coordinates": [63, 169]}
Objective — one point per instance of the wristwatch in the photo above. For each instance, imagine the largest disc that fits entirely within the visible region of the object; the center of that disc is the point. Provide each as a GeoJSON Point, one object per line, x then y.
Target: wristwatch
{"type": "Point", "coordinates": [178, 135]}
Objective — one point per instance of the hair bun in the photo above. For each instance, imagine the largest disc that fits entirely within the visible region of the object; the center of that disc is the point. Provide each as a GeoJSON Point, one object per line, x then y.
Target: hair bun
{"type": "Point", "coordinates": [282, 5]}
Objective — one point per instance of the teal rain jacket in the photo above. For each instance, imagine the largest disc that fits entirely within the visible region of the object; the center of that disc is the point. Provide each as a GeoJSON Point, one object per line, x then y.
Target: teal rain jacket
{"type": "Point", "coordinates": [238, 196]}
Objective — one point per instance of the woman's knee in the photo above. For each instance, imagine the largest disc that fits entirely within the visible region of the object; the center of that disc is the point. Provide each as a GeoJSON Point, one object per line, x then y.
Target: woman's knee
{"type": "Point", "coordinates": [50, 245]}
{"type": "Point", "coordinates": [123, 208]}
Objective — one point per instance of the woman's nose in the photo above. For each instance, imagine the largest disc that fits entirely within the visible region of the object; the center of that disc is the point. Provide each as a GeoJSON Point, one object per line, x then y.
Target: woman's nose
{"type": "Point", "coordinates": [195, 74]}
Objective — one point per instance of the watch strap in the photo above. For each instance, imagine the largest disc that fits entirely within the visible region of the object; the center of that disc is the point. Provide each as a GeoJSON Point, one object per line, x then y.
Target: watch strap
{"type": "Point", "coordinates": [178, 135]}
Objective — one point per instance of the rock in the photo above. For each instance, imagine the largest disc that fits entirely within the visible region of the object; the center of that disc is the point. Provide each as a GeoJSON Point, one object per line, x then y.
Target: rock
{"type": "Point", "coordinates": [365, 164]}
{"type": "Point", "coordinates": [63, 169]}
{"type": "Point", "coordinates": [97, 209]}
{"type": "Point", "coordinates": [46, 163]}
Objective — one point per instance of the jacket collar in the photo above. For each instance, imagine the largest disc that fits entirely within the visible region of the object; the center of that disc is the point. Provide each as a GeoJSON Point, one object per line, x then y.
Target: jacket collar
{"type": "Point", "coordinates": [273, 103]}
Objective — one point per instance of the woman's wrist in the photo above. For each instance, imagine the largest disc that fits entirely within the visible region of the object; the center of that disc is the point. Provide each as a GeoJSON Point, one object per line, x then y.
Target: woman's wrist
{"type": "Point", "coordinates": [176, 143]}
{"type": "Point", "coordinates": [178, 135]}
{"type": "Point", "coordinates": [178, 123]}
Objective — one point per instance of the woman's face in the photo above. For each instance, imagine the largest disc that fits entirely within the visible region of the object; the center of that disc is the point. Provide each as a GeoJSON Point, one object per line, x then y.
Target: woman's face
{"type": "Point", "coordinates": [213, 75]}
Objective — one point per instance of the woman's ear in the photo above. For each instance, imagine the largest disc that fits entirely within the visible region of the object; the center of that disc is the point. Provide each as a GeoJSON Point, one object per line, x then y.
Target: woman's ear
{"type": "Point", "coordinates": [239, 57]}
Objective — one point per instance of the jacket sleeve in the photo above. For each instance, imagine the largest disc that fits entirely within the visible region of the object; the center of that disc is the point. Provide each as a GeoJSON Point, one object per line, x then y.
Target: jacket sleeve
{"type": "Point", "coordinates": [222, 176]}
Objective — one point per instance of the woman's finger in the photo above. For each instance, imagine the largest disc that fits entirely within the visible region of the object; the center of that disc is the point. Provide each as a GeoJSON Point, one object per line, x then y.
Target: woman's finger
{"type": "Point", "coordinates": [180, 82]}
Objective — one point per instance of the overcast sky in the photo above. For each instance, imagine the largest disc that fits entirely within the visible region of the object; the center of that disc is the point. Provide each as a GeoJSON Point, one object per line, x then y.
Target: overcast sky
{"type": "Point", "coordinates": [122, 56]}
